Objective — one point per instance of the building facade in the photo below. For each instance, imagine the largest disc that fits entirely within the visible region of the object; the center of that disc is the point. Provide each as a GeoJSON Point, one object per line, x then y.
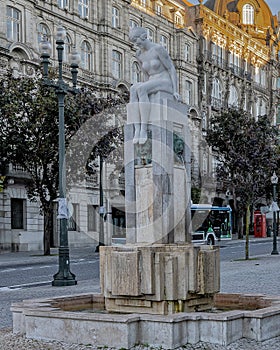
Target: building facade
{"type": "Point", "coordinates": [226, 54]}
{"type": "Point", "coordinates": [99, 30]}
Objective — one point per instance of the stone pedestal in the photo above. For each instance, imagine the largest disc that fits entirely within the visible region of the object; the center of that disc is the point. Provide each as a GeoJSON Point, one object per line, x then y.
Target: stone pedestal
{"type": "Point", "coordinates": [159, 278]}
{"type": "Point", "coordinates": [157, 175]}
{"type": "Point", "coordinates": [159, 271]}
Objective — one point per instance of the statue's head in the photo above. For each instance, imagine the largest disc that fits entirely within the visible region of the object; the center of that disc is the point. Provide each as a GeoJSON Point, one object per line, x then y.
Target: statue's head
{"type": "Point", "coordinates": [137, 32]}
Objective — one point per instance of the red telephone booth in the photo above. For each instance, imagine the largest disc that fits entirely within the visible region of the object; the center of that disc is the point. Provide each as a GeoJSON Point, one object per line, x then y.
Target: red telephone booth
{"type": "Point", "coordinates": [259, 224]}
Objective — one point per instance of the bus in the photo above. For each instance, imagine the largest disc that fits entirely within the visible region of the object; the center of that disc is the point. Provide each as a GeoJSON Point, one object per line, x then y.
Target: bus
{"type": "Point", "coordinates": [210, 224]}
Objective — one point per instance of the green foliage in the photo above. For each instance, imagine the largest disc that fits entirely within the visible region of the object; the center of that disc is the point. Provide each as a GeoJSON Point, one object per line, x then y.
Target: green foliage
{"type": "Point", "coordinates": [29, 132]}
{"type": "Point", "coordinates": [195, 194]}
{"type": "Point", "coordinates": [246, 149]}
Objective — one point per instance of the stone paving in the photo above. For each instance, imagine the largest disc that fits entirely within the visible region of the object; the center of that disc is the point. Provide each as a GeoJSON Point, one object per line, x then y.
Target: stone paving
{"type": "Point", "coordinates": [258, 276]}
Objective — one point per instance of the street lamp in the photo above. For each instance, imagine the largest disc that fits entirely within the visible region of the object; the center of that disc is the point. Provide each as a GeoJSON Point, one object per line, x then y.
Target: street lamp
{"type": "Point", "coordinates": [63, 277]}
{"type": "Point", "coordinates": [101, 206]}
{"type": "Point", "coordinates": [274, 181]}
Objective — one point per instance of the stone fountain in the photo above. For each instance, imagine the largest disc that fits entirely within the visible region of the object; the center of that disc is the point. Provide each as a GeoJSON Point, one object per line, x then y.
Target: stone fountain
{"type": "Point", "coordinates": [157, 287]}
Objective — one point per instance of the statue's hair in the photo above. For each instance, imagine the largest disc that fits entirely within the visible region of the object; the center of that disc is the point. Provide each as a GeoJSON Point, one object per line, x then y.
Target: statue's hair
{"type": "Point", "coordinates": [136, 32]}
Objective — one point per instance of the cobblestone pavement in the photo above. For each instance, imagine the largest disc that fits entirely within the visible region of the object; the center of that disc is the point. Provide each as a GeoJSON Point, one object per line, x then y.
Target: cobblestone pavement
{"type": "Point", "coordinates": [10, 341]}
{"type": "Point", "coordinates": [258, 276]}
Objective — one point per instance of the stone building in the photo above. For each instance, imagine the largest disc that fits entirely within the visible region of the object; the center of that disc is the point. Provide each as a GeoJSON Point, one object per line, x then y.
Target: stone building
{"type": "Point", "coordinates": [238, 62]}
{"type": "Point", "coordinates": [225, 53]}
{"type": "Point", "coordinates": [99, 30]}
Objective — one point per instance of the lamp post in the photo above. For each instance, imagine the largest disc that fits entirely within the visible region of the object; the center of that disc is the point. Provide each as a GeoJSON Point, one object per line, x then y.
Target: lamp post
{"type": "Point", "coordinates": [274, 181]}
{"type": "Point", "coordinates": [101, 206]}
{"type": "Point", "coordinates": [63, 277]}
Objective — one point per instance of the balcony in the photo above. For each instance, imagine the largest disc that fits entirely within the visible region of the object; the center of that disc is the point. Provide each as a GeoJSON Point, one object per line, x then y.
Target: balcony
{"type": "Point", "coordinates": [236, 70]}
{"type": "Point", "coordinates": [216, 103]}
{"type": "Point", "coordinates": [17, 171]}
{"type": "Point", "coordinates": [215, 59]}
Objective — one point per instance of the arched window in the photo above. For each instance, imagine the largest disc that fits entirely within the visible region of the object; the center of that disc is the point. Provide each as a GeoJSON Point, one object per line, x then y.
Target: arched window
{"type": "Point", "coordinates": [135, 73]}
{"type": "Point", "coordinates": [86, 55]}
{"type": "Point", "coordinates": [188, 92]}
{"type": "Point", "coordinates": [116, 64]}
{"type": "Point", "coordinates": [67, 48]}
{"type": "Point", "coordinates": [115, 17]}
{"type": "Point", "coordinates": [233, 97]}
{"type": "Point", "coordinates": [150, 34]}
{"type": "Point", "coordinates": [133, 24]}
{"type": "Point", "coordinates": [13, 24]}
{"type": "Point", "coordinates": [217, 94]}
{"type": "Point", "coordinates": [43, 32]}
{"type": "Point", "coordinates": [163, 41]}
{"type": "Point", "coordinates": [248, 14]}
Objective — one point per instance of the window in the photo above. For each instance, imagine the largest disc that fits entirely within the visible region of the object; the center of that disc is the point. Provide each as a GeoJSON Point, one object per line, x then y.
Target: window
{"type": "Point", "coordinates": [263, 79]}
{"type": "Point", "coordinates": [217, 54]}
{"type": "Point", "coordinates": [115, 17]}
{"type": "Point", "coordinates": [83, 8]}
{"type": "Point", "coordinates": [234, 59]}
{"type": "Point", "coordinates": [187, 53]}
{"type": "Point", "coordinates": [62, 4]}
{"type": "Point", "coordinates": [216, 94]}
{"type": "Point", "coordinates": [248, 14]}
{"type": "Point", "coordinates": [163, 41]}
{"type": "Point", "coordinates": [245, 102]}
{"type": "Point", "coordinates": [135, 74]}
{"type": "Point", "coordinates": [260, 107]}
{"type": "Point", "coordinates": [150, 34]}
{"type": "Point", "coordinates": [257, 75]}
{"type": "Point", "coordinates": [67, 48]}
{"type": "Point", "coordinates": [92, 211]}
{"type": "Point", "coordinates": [18, 213]}
{"type": "Point", "coordinates": [43, 32]}
{"type": "Point", "coordinates": [13, 23]}
{"type": "Point", "coordinates": [133, 24]}
{"type": "Point", "coordinates": [72, 222]}
{"type": "Point", "coordinates": [86, 55]}
{"type": "Point", "coordinates": [116, 64]}
{"type": "Point", "coordinates": [178, 18]}
{"type": "Point", "coordinates": [143, 3]}
{"type": "Point", "coordinates": [233, 97]}
{"type": "Point", "coordinates": [204, 86]}
{"type": "Point", "coordinates": [188, 92]}
{"type": "Point", "coordinates": [158, 9]}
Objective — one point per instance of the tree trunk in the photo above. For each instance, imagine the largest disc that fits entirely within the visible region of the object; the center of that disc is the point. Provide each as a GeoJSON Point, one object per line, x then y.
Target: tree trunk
{"type": "Point", "coordinates": [247, 224]}
{"type": "Point", "coordinates": [240, 226]}
{"type": "Point", "coordinates": [48, 227]}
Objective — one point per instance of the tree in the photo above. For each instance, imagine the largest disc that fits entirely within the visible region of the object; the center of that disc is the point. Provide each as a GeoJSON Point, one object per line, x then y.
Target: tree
{"type": "Point", "coordinates": [29, 134]}
{"type": "Point", "coordinates": [246, 149]}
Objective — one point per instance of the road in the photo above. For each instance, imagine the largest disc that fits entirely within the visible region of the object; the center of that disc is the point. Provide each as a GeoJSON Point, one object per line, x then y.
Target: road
{"type": "Point", "coordinates": [29, 275]}
{"type": "Point", "coordinates": [236, 249]}
{"type": "Point", "coordinates": [39, 270]}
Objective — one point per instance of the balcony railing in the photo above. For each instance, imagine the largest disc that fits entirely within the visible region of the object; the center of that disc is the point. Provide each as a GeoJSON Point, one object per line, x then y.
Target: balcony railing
{"type": "Point", "coordinates": [216, 103]}
{"type": "Point", "coordinates": [16, 170]}
{"type": "Point", "coordinates": [222, 63]}
{"type": "Point", "coordinates": [237, 70]}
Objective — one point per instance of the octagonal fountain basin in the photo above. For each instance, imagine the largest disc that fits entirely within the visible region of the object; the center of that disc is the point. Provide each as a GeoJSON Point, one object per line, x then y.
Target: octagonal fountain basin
{"type": "Point", "coordinates": [83, 319]}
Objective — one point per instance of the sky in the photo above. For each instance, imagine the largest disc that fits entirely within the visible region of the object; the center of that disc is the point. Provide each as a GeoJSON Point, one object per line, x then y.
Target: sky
{"type": "Point", "coordinates": [274, 6]}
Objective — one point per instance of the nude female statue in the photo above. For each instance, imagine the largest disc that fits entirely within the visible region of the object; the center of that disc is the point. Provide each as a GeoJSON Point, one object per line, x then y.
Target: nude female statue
{"type": "Point", "coordinates": [159, 75]}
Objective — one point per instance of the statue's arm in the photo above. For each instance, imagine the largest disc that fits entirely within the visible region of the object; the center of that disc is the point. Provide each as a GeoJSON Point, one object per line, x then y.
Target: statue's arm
{"type": "Point", "coordinates": [168, 64]}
